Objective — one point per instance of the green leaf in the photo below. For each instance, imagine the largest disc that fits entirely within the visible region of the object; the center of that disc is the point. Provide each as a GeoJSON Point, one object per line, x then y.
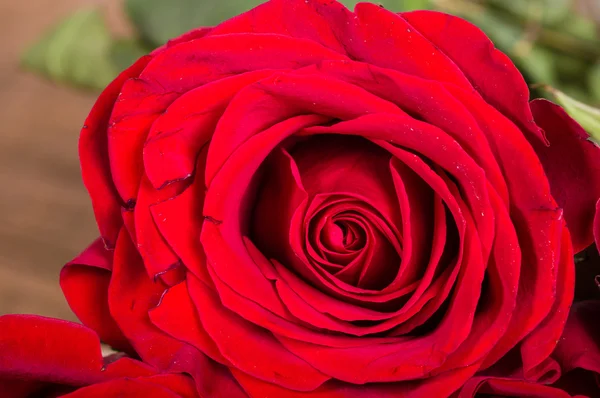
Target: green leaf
{"type": "Point", "coordinates": [570, 68]}
{"type": "Point", "coordinates": [539, 65]}
{"type": "Point", "coordinates": [348, 3]}
{"type": "Point", "coordinates": [555, 10]}
{"type": "Point", "coordinates": [157, 21]}
{"type": "Point", "coordinates": [394, 5]}
{"type": "Point", "coordinates": [594, 82]}
{"type": "Point", "coordinates": [588, 117]}
{"type": "Point", "coordinates": [76, 51]}
{"type": "Point", "coordinates": [545, 11]}
{"type": "Point", "coordinates": [406, 5]}
{"type": "Point", "coordinates": [124, 52]}
{"type": "Point", "coordinates": [581, 27]}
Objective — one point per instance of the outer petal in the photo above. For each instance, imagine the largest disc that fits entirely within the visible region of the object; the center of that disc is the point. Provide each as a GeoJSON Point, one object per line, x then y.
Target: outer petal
{"type": "Point", "coordinates": [542, 341]}
{"type": "Point", "coordinates": [379, 37]}
{"type": "Point", "coordinates": [177, 316]}
{"type": "Point", "coordinates": [131, 295]}
{"type": "Point", "coordinates": [162, 386]}
{"type": "Point", "coordinates": [180, 220]}
{"type": "Point", "coordinates": [534, 212]}
{"type": "Point", "coordinates": [84, 282]}
{"type": "Point", "coordinates": [123, 388]}
{"type": "Point", "coordinates": [93, 151]}
{"type": "Point", "coordinates": [508, 388]}
{"type": "Point", "coordinates": [296, 18]}
{"type": "Point", "coordinates": [490, 71]}
{"type": "Point", "coordinates": [572, 164]}
{"type": "Point", "coordinates": [191, 35]}
{"type": "Point", "coordinates": [50, 356]}
{"type": "Point", "coordinates": [261, 353]}
{"type": "Point", "coordinates": [438, 386]}
{"type": "Point", "coordinates": [42, 349]}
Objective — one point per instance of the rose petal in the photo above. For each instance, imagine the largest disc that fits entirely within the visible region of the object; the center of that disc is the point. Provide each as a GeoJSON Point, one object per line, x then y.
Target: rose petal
{"type": "Point", "coordinates": [325, 164]}
{"type": "Point", "coordinates": [224, 206]}
{"type": "Point", "coordinates": [41, 349]}
{"type": "Point", "coordinates": [281, 192]}
{"type": "Point", "coordinates": [499, 299]}
{"type": "Point", "coordinates": [535, 214]}
{"type": "Point", "coordinates": [124, 387]}
{"type": "Point", "coordinates": [427, 100]}
{"type": "Point", "coordinates": [131, 294]}
{"type": "Point", "coordinates": [416, 202]}
{"type": "Point", "coordinates": [379, 37]}
{"type": "Point", "coordinates": [180, 220]}
{"type": "Point", "coordinates": [139, 104]}
{"type": "Point", "coordinates": [533, 305]}
{"type": "Point", "coordinates": [433, 143]}
{"type": "Point", "coordinates": [295, 18]}
{"type": "Point", "coordinates": [508, 388]}
{"type": "Point", "coordinates": [541, 341]}
{"type": "Point", "coordinates": [326, 303]}
{"type": "Point", "coordinates": [158, 257]}
{"type": "Point", "coordinates": [572, 164]}
{"type": "Point", "coordinates": [197, 62]}
{"type": "Point", "coordinates": [145, 98]}
{"type": "Point", "coordinates": [177, 316]}
{"type": "Point", "coordinates": [280, 97]}
{"type": "Point", "coordinates": [283, 324]}
{"type": "Point", "coordinates": [194, 34]}
{"type": "Point", "coordinates": [177, 137]}
{"type": "Point", "coordinates": [261, 354]}
{"type": "Point", "coordinates": [93, 151]}
{"type": "Point", "coordinates": [51, 356]}
{"type": "Point", "coordinates": [84, 282]}
{"type": "Point", "coordinates": [490, 71]}
{"type": "Point", "coordinates": [438, 386]}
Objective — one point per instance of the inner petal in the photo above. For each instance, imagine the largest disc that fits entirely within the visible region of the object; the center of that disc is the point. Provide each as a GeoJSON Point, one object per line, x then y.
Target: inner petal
{"type": "Point", "coordinates": [353, 238]}
{"type": "Point", "coordinates": [378, 263]}
{"type": "Point", "coordinates": [350, 167]}
{"type": "Point", "coordinates": [335, 238]}
{"type": "Point", "coordinates": [333, 235]}
{"type": "Point", "coordinates": [349, 241]}
{"type": "Point", "coordinates": [327, 208]}
{"type": "Point", "coordinates": [341, 235]}
{"type": "Point", "coordinates": [351, 170]}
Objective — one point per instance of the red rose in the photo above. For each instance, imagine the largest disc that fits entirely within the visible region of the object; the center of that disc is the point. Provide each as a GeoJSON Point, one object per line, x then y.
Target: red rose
{"type": "Point", "coordinates": [306, 199]}
{"type": "Point", "coordinates": [50, 358]}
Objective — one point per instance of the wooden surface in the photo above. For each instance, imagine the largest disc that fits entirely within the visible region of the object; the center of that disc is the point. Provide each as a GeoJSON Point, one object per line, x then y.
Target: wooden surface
{"type": "Point", "coordinates": [45, 213]}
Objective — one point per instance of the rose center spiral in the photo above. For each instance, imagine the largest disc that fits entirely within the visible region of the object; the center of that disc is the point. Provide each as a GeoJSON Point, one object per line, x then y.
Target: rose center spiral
{"type": "Point", "coordinates": [327, 208]}
{"type": "Point", "coordinates": [343, 235]}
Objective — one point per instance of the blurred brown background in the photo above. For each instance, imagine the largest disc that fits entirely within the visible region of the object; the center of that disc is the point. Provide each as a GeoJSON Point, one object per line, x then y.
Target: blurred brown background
{"type": "Point", "coordinates": [45, 214]}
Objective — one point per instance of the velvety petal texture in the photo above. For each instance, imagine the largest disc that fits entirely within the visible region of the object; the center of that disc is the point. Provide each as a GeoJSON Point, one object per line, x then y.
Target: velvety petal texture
{"type": "Point", "coordinates": [311, 201]}
{"type": "Point", "coordinates": [51, 358]}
